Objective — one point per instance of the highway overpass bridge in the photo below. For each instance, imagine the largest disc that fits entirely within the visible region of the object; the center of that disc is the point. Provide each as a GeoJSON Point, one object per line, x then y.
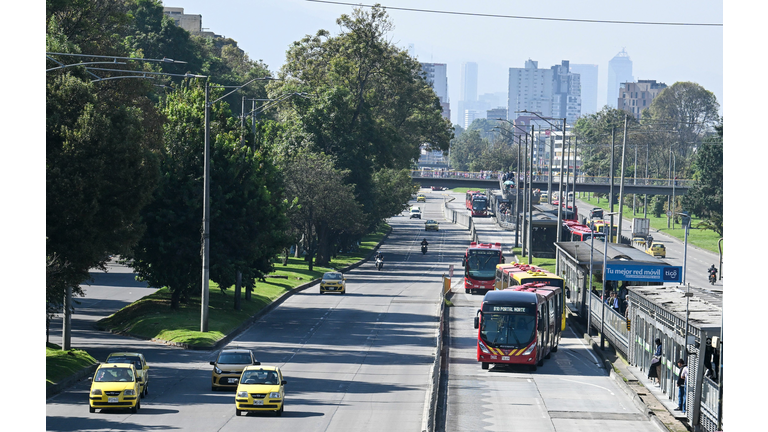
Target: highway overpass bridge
{"type": "Point", "coordinates": [587, 184]}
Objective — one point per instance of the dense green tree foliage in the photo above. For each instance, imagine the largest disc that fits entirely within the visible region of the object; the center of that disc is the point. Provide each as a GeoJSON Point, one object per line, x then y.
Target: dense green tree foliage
{"type": "Point", "coordinates": [370, 109]}
{"type": "Point", "coordinates": [325, 205]}
{"type": "Point", "coordinates": [705, 198]}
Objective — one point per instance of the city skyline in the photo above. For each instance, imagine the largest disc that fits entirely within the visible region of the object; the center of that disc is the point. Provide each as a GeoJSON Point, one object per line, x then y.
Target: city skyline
{"type": "Point", "coordinates": [457, 39]}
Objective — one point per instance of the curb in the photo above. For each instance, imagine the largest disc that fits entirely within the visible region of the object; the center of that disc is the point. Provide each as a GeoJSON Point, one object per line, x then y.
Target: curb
{"type": "Point", "coordinates": [55, 389]}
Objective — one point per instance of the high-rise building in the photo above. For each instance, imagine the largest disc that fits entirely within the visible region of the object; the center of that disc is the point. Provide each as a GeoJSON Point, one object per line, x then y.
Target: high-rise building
{"type": "Point", "coordinates": [437, 76]}
{"type": "Point", "coordinates": [468, 99]}
{"type": "Point", "coordinates": [588, 74]}
{"type": "Point", "coordinates": [619, 71]}
{"type": "Point", "coordinates": [634, 97]}
{"type": "Point", "coordinates": [554, 92]}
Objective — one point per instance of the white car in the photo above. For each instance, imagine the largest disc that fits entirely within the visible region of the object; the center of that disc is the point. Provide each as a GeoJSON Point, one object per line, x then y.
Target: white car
{"type": "Point", "coordinates": [415, 212]}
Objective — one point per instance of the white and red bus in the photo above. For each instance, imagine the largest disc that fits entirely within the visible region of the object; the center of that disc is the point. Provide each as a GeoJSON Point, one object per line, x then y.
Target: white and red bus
{"type": "Point", "coordinates": [519, 326]}
{"type": "Point", "coordinates": [479, 264]}
{"type": "Point", "coordinates": [477, 203]}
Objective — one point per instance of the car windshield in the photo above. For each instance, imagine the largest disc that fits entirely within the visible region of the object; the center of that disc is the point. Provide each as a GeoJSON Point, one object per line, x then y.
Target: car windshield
{"type": "Point", "coordinates": [259, 377]}
{"type": "Point", "coordinates": [111, 374]}
{"type": "Point", "coordinates": [234, 358]}
{"type": "Point", "coordinates": [124, 359]}
{"type": "Point", "coordinates": [332, 276]}
{"type": "Point", "coordinates": [431, 222]}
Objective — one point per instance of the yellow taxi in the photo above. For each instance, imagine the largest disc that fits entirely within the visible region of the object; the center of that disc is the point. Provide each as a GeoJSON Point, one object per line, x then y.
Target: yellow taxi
{"type": "Point", "coordinates": [421, 198]}
{"type": "Point", "coordinates": [228, 367]}
{"type": "Point", "coordinates": [657, 249]}
{"type": "Point", "coordinates": [333, 282]}
{"type": "Point", "coordinates": [114, 385]}
{"type": "Point", "coordinates": [431, 225]}
{"type": "Point", "coordinates": [139, 363]}
{"type": "Point", "coordinates": [261, 388]}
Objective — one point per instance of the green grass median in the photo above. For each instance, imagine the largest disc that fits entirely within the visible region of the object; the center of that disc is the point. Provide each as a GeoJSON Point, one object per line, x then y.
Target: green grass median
{"type": "Point", "coordinates": [62, 364]}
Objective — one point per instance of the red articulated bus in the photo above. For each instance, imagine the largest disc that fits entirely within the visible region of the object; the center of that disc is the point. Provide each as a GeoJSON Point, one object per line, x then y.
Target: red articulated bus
{"type": "Point", "coordinates": [574, 231]}
{"type": "Point", "coordinates": [479, 264]}
{"type": "Point", "coordinates": [519, 326]}
{"type": "Point", "coordinates": [477, 203]}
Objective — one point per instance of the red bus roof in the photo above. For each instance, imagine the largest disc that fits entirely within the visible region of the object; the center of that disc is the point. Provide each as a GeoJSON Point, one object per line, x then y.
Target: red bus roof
{"type": "Point", "coordinates": [476, 245]}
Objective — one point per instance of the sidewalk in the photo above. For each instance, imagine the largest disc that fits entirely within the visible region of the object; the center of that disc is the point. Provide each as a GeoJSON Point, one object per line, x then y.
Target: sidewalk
{"type": "Point", "coordinates": [649, 398]}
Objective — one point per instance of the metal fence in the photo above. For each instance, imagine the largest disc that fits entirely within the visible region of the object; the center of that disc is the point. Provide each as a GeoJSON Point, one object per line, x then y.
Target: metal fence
{"type": "Point", "coordinates": [654, 314]}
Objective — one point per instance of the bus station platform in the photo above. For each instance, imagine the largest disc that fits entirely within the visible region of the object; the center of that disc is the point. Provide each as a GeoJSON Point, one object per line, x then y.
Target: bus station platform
{"type": "Point", "coordinates": [647, 396]}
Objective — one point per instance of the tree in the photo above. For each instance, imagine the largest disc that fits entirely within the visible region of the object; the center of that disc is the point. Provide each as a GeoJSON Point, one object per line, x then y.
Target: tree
{"type": "Point", "coordinates": [595, 137]}
{"type": "Point", "coordinates": [101, 169]}
{"type": "Point", "coordinates": [705, 197]}
{"type": "Point", "coordinates": [371, 109]}
{"type": "Point", "coordinates": [466, 149]}
{"type": "Point", "coordinates": [325, 204]}
{"type": "Point", "coordinates": [246, 212]}
{"type": "Point", "coordinates": [689, 109]}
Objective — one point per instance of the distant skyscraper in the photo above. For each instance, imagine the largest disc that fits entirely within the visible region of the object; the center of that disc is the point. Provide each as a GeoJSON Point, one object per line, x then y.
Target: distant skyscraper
{"type": "Point", "coordinates": [619, 71]}
{"type": "Point", "coordinates": [588, 73]}
{"type": "Point", "coordinates": [437, 76]}
{"type": "Point", "coordinates": [468, 89]}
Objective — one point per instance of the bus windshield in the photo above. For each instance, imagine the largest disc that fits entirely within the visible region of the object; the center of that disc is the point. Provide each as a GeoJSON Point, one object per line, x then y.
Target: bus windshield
{"type": "Point", "coordinates": [508, 330]}
{"type": "Point", "coordinates": [479, 204]}
{"type": "Point", "coordinates": [481, 264]}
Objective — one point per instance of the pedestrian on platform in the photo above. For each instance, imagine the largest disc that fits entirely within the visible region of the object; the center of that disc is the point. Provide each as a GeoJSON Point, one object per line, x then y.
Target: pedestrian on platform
{"type": "Point", "coordinates": [682, 383]}
{"type": "Point", "coordinates": [655, 368]}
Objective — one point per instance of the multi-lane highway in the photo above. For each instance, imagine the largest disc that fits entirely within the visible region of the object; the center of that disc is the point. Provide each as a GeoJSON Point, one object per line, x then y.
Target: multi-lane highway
{"type": "Point", "coordinates": [360, 361]}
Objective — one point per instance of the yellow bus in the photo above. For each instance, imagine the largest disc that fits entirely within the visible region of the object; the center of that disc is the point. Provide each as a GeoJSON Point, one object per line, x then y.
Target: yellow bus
{"type": "Point", "coordinates": [511, 275]}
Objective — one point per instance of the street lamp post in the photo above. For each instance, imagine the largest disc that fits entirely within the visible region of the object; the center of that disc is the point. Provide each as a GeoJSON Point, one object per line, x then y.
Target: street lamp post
{"type": "Point", "coordinates": [206, 247]}
{"type": "Point", "coordinates": [605, 282]}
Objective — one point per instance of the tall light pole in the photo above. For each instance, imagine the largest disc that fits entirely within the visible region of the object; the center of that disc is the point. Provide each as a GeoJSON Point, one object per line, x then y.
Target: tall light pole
{"type": "Point", "coordinates": [206, 246]}
{"type": "Point", "coordinates": [605, 282]}
{"type": "Point", "coordinates": [621, 184]}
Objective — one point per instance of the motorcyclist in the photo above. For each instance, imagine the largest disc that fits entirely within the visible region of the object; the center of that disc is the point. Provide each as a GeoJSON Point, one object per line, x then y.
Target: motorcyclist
{"type": "Point", "coordinates": [424, 242]}
{"type": "Point", "coordinates": [712, 271]}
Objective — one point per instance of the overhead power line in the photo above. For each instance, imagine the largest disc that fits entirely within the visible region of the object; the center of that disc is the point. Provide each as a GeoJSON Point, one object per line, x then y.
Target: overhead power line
{"type": "Point", "coordinates": [526, 17]}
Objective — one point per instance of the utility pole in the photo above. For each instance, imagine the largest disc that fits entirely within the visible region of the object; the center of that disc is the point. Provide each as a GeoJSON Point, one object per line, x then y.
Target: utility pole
{"type": "Point", "coordinates": [621, 185]}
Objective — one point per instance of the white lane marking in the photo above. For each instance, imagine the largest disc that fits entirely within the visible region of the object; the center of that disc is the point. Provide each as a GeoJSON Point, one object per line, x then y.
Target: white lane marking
{"type": "Point", "coordinates": [589, 349]}
{"type": "Point", "coordinates": [593, 385]}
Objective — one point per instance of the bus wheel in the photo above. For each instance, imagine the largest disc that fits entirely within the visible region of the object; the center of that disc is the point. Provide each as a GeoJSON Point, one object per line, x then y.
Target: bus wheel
{"type": "Point", "coordinates": [484, 365]}
{"type": "Point", "coordinates": [541, 362]}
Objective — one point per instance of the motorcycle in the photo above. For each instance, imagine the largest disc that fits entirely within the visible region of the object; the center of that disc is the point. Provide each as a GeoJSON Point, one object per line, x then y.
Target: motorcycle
{"type": "Point", "coordinates": [423, 249]}
{"type": "Point", "coordinates": [712, 278]}
{"type": "Point", "coordinates": [379, 263]}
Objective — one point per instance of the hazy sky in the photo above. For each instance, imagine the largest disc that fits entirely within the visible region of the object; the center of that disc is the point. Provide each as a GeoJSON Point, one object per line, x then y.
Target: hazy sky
{"type": "Point", "coordinates": [265, 29]}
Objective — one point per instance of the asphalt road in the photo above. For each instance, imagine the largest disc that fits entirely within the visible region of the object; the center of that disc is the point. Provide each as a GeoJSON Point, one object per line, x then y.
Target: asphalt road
{"type": "Point", "coordinates": [569, 393]}
{"type": "Point", "coordinates": [360, 361]}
